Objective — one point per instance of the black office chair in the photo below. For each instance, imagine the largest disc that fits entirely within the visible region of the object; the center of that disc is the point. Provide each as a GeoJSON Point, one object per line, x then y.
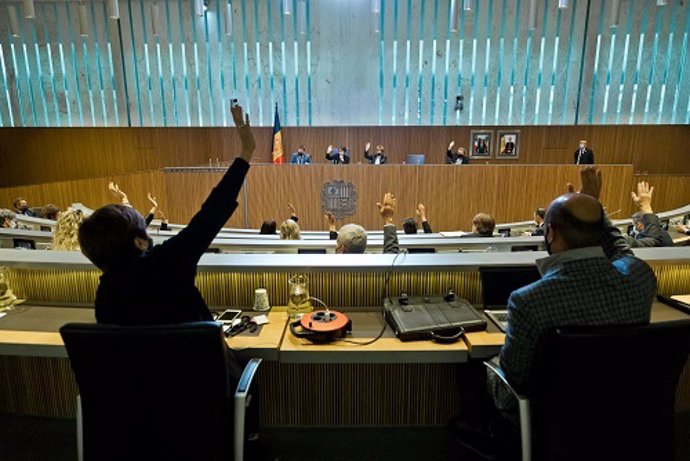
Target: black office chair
{"type": "Point", "coordinates": [604, 393]}
{"type": "Point", "coordinates": [156, 392]}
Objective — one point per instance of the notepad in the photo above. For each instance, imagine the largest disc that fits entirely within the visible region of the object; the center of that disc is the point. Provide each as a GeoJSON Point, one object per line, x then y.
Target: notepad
{"type": "Point", "coordinates": [682, 298]}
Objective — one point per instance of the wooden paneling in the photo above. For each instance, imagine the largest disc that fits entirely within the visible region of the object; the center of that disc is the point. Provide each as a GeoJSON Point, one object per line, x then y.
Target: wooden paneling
{"type": "Point", "coordinates": [453, 195]}
{"type": "Point", "coordinates": [41, 155]}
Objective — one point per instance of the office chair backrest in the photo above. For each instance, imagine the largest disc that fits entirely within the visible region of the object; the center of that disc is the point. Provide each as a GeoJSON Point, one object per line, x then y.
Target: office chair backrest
{"type": "Point", "coordinates": [608, 392]}
{"type": "Point", "coordinates": [154, 392]}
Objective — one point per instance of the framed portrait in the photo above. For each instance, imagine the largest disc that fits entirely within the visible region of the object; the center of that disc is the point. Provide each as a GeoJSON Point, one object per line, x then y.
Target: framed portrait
{"type": "Point", "coordinates": [508, 144]}
{"type": "Point", "coordinates": [480, 144]}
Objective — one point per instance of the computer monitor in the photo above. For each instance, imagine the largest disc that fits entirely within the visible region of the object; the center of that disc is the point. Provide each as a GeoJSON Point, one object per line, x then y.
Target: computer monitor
{"type": "Point", "coordinates": [416, 159]}
{"type": "Point", "coordinates": [499, 282]}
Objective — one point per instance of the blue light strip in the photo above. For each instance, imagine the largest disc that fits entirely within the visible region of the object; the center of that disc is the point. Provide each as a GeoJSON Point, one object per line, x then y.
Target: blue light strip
{"type": "Point", "coordinates": [147, 63]}
{"type": "Point", "coordinates": [595, 72]}
{"type": "Point", "coordinates": [499, 74]}
{"type": "Point", "coordinates": [461, 46]}
{"type": "Point", "coordinates": [554, 68]}
{"type": "Point", "coordinates": [433, 63]}
{"type": "Point", "coordinates": [612, 50]}
{"type": "Point", "coordinates": [197, 78]}
{"type": "Point", "coordinates": [16, 82]}
{"type": "Point", "coordinates": [636, 78]}
{"type": "Point", "coordinates": [407, 62]}
{"type": "Point", "coordinates": [220, 7]}
{"type": "Point", "coordinates": [7, 88]}
{"type": "Point", "coordinates": [51, 69]}
{"type": "Point", "coordinates": [173, 84]}
{"type": "Point", "coordinates": [624, 65]}
{"type": "Point", "coordinates": [421, 63]}
{"type": "Point", "coordinates": [87, 73]}
{"type": "Point", "coordinates": [271, 70]}
{"type": "Point", "coordinates": [183, 47]}
{"type": "Point", "coordinates": [667, 67]}
{"type": "Point", "coordinates": [283, 64]}
{"type": "Point", "coordinates": [540, 70]}
{"type": "Point", "coordinates": [134, 65]}
{"type": "Point", "coordinates": [308, 26]}
{"type": "Point", "coordinates": [295, 45]}
{"type": "Point", "coordinates": [382, 51]}
{"type": "Point", "coordinates": [681, 68]}
{"type": "Point", "coordinates": [487, 56]}
{"type": "Point", "coordinates": [525, 78]}
{"type": "Point", "coordinates": [209, 68]}
{"type": "Point", "coordinates": [63, 69]}
{"type": "Point", "coordinates": [655, 51]}
{"type": "Point", "coordinates": [564, 108]}
{"type": "Point", "coordinates": [395, 62]}
{"type": "Point", "coordinates": [246, 57]}
{"type": "Point", "coordinates": [75, 68]}
{"type": "Point", "coordinates": [513, 71]}
{"type": "Point", "coordinates": [259, 86]}
{"type": "Point", "coordinates": [474, 57]}
{"type": "Point", "coordinates": [100, 68]}
{"type": "Point", "coordinates": [446, 68]}
{"type": "Point", "coordinates": [40, 74]}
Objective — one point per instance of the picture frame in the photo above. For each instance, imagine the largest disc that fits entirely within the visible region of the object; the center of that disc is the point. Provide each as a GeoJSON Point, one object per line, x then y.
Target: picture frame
{"type": "Point", "coordinates": [508, 145]}
{"type": "Point", "coordinates": [481, 144]}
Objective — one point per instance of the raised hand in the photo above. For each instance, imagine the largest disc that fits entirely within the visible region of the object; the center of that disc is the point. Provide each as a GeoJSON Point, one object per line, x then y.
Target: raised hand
{"type": "Point", "coordinates": [330, 220]}
{"type": "Point", "coordinates": [330, 149]}
{"type": "Point", "coordinates": [367, 146]}
{"type": "Point", "coordinates": [387, 208]}
{"type": "Point", "coordinates": [245, 131]}
{"type": "Point", "coordinates": [421, 211]}
{"type": "Point", "coordinates": [591, 181]}
{"type": "Point", "coordinates": [115, 189]}
{"type": "Point", "coordinates": [643, 198]}
{"type": "Point", "coordinates": [450, 146]}
{"type": "Point", "coordinates": [153, 200]}
{"type": "Point", "coordinates": [291, 207]}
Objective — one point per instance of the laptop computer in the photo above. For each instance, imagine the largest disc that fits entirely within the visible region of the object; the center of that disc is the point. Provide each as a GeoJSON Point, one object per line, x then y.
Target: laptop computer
{"type": "Point", "coordinates": [497, 285]}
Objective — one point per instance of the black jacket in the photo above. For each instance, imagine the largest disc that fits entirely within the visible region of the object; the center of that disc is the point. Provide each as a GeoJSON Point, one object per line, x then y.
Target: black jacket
{"type": "Point", "coordinates": [452, 158]}
{"type": "Point", "coordinates": [372, 158]}
{"type": "Point", "coordinates": [334, 156]}
{"type": "Point", "coordinates": [587, 157]}
{"type": "Point", "coordinates": [159, 286]}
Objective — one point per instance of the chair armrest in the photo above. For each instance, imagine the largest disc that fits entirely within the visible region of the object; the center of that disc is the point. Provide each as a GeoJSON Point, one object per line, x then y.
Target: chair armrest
{"type": "Point", "coordinates": [247, 377]}
{"type": "Point", "coordinates": [501, 375]}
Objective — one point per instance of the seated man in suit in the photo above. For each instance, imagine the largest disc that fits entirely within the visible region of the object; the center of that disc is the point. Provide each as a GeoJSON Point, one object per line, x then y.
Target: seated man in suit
{"type": "Point", "coordinates": [143, 284]}
{"type": "Point", "coordinates": [583, 155]}
{"type": "Point", "coordinates": [458, 158]}
{"type": "Point", "coordinates": [300, 157]}
{"type": "Point", "coordinates": [483, 225]}
{"type": "Point", "coordinates": [539, 214]}
{"type": "Point", "coordinates": [410, 224]}
{"type": "Point", "coordinates": [590, 278]}
{"type": "Point", "coordinates": [339, 156]}
{"type": "Point", "coordinates": [22, 207]}
{"type": "Point", "coordinates": [378, 158]}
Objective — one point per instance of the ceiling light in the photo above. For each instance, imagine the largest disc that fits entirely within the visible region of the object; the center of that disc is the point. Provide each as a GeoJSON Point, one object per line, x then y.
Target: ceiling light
{"type": "Point", "coordinates": [228, 18]}
{"type": "Point", "coordinates": [532, 14]}
{"type": "Point", "coordinates": [615, 12]}
{"type": "Point", "coordinates": [287, 6]}
{"type": "Point", "coordinates": [454, 15]}
{"type": "Point", "coordinates": [467, 5]}
{"type": "Point", "coordinates": [29, 12]}
{"type": "Point", "coordinates": [113, 9]}
{"type": "Point", "coordinates": [83, 20]}
{"type": "Point", "coordinates": [14, 21]}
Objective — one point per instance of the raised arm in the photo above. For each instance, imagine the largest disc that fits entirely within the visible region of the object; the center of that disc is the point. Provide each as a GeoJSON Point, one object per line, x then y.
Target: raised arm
{"type": "Point", "coordinates": [421, 213]}
{"type": "Point", "coordinates": [612, 241]}
{"type": "Point", "coordinates": [115, 190]}
{"type": "Point", "coordinates": [652, 227]}
{"type": "Point", "coordinates": [390, 235]}
{"type": "Point", "coordinates": [330, 221]}
{"type": "Point", "coordinates": [194, 239]}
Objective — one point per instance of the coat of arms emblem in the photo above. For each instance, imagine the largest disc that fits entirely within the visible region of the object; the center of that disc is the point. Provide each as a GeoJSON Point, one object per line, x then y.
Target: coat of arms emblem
{"type": "Point", "coordinates": [339, 197]}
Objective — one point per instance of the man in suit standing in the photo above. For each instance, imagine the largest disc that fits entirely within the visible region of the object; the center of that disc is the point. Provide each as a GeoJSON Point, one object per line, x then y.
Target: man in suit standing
{"type": "Point", "coordinates": [300, 157]}
{"type": "Point", "coordinates": [379, 158]}
{"type": "Point", "coordinates": [583, 155]}
{"type": "Point", "coordinates": [339, 156]}
{"type": "Point", "coordinates": [458, 158]}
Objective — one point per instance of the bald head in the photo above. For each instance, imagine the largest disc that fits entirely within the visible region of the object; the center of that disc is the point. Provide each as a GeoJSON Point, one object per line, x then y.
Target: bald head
{"type": "Point", "coordinates": [574, 221]}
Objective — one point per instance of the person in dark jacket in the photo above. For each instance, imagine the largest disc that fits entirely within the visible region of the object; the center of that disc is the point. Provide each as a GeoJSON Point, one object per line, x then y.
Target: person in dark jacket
{"type": "Point", "coordinates": [143, 284]}
{"type": "Point", "coordinates": [458, 158]}
{"type": "Point", "coordinates": [377, 158]}
{"type": "Point", "coordinates": [410, 224]}
{"type": "Point", "coordinates": [338, 156]}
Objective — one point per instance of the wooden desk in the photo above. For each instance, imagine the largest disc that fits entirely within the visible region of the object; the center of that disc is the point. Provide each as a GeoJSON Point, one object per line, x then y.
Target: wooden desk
{"type": "Point", "coordinates": [33, 331]}
{"type": "Point", "coordinates": [485, 344]}
{"type": "Point", "coordinates": [267, 344]}
{"type": "Point", "coordinates": [388, 349]}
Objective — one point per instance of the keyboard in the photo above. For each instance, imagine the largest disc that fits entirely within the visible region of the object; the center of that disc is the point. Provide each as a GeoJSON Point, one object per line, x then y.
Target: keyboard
{"type": "Point", "coordinates": [499, 317]}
